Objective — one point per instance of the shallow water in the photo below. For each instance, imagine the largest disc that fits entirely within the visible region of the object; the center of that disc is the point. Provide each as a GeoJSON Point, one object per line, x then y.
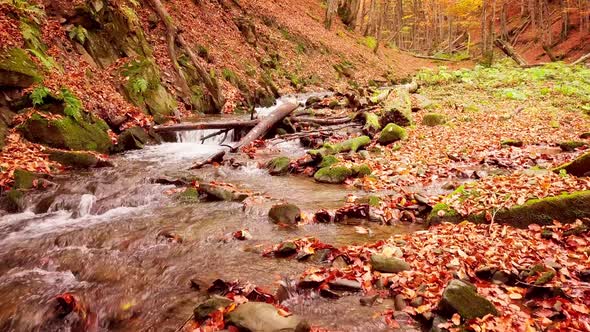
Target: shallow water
{"type": "Point", "coordinates": [96, 234]}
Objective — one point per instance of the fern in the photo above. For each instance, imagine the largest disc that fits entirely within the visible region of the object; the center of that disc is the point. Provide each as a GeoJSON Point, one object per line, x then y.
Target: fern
{"type": "Point", "coordinates": [79, 33]}
{"type": "Point", "coordinates": [139, 86]}
{"type": "Point", "coordinates": [73, 105]}
{"type": "Point", "coordinates": [39, 94]}
{"type": "Point", "coordinates": [31, 35]}
{"type": "Point", "coordinates": [47, 61]}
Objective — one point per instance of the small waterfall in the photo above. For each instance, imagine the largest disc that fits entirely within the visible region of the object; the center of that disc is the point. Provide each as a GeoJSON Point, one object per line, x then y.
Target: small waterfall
{"type": "Point", "coordinates": [86, 203]}
{"type": "Point", "coordinates": [196, 136]}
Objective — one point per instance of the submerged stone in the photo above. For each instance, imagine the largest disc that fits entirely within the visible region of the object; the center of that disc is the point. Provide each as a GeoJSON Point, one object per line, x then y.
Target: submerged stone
{"type": "Point", "coordinates": [462, 298]}
{"type": "Point", "coordinates": [285, 214]}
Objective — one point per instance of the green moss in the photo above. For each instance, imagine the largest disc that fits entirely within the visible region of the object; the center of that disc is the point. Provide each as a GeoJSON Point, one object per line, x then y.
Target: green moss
{"type": "Point", "coordinates": [24, 179]}
{"type": "Point", "coordinates": [68, 133]}
{"type": "Point", "coordinates": [577, 167]}
{"type": "Point", "coordinates": [278, 166]}
{"type": "Point", "coordinates": [392, 133]}
{"type": "Point", "coordinates": [189, 195]}
{"type": "Point", "coordinates": [434, 119]}
{"type": "Point", "coordinates": [545, 278]}
{"type": "Point", "coordinates": [372, 124]}
{"type": "Point", "coordinates": [333, 174]}
{"type": "Point", "coordinates": [328, 161]}
{"type": "Point", "coordinates": [361, 170]}
{"type": "Point", "coordinates": [570, 146]}
{"type": "Point", "coordinates": [350, 145]}
{"type": "Point", "coordinates": [15, 200]}
{"type": "Point", "coordinates": [443, 212]}
{"type": "Point", "coordinates": [512, 142]}
{"type": "Point", "coordinates": [397, 108]}
{"type": "Point", "coordinates": [73, 159]}
{"type": "Point", "coordinates": [17, 69]}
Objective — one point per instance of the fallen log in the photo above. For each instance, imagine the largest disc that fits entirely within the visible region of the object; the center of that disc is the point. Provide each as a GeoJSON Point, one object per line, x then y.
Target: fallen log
{"type": "Point", "coordinates": [213, 158]}
{"type": "Point", "coordinates": [206, 125]}
{"type": "Point", "coordinates": [321, 121]}
{"type": "Point", "coordinates": [509, 51]}
{"type": "Point", "coordinates": [265, 125]}
{"type": "Point", "coordinates": [419, 56]}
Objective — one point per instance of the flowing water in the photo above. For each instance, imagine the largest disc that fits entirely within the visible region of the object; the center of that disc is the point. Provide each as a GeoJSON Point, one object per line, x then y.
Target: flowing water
{"type": "Point", "coordinates": [98, 234]}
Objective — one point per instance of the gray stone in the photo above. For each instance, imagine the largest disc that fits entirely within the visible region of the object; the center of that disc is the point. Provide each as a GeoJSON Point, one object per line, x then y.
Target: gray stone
{"type": "Point", "coordinates": [388, 264]}
{"type": "Point", "coordinates": [264, 317]}
{"type": "Point", "coordinates": [284, 214]}
{"type": "Point", "coordinates": [461, 297]}
{"type": "Point", "coordinates": [203, 310]}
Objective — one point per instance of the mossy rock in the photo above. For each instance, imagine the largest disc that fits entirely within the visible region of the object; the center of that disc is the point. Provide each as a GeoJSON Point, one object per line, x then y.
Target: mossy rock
{"type": "Point", "coordinates": [215, 303]}
{"type": "Point", "coordinates": [17, 69]}
{"type": "Point", "coordinates": [264, 317]}
{"type": "Point", "coordinates": [14, 201]}
{"type": "Point", "coordinates": [462, 298]}
{"type": "Point", "coordinates": [333, 174]}
{"type": "Point", "coordinates": [278, 166]}
{"type": "Point", "coordinates": [392, 133]}
{"type": "Point", "coordinates": [77, 159]}
{"type": "Point", "coordinates": [160, 104]}
{"type": "Point", "coordinates": [350, 145]}
{"type": "Point", "coordinates": [3, 134]}
{"type": "Point", "coordinates": [570, 146]}
{"type": "Point", "coordinates": [361, 170]}
{"type": "Point", "coordinates": [434, 119]}
{"type": "Point", "coordinates": [585, 135]}
{"type": "Point", "coordinates": [565, 208]}
{"type": "Point", "coordinates": [512, 142]}
{"type": "Point", "coordinates": [372, 125]}
{"type": "Point", "coordinates": [386, 264]}
{"type": "Point", "coordinates": [285, 214]}
{"type": "Point", "coordinates": [189, 195]}
{"type": "Point", "coordinates": [134, 138]}
{"type": "Point", "coordinates": [420, 102]}
{"type": "Point", "coordinates": [90, 134]}
{"type": "Point", "coordinates": [219, 193]}
{"type": "Point", "coordinates": [24, 179]}
{"type": "Point", "coordinates": [397, 108]}
{"type": "Point", "coordinates": [328, 161]}
{"type": "Point", "coordinates": [578, 167]}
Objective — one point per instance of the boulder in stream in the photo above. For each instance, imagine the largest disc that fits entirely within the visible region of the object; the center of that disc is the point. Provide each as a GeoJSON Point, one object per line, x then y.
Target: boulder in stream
{"type": "Point", "coordinates": [285, 214]}
{"type": "Point", "coordinates": [77, 159]}
{"type": "Point", "coordinates": [333, 174]}
{"type": "Point", "coordinates": [461, 297]}
{"type": "Point", "coordinates": [278, 166]}
{"type": "Point", "coordinates": [264, 317]}
{"type": "Point", "coordinates": [134, 138]}
{"type": "Point", "coordinates": [216, 302]}
{"type": "Point", "coordinates": [220, 193]}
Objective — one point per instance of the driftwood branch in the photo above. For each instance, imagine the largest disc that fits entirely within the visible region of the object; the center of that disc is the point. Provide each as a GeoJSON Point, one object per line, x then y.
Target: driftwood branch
{"type": "Point", "coordinates": [206, 125]}
{"type": "Point", "coordinates": [581, 59]}
{"type": "Point", "coordinates": [509, 51]}
{"type": "Point", "coordinates": [214, 158]}
{"type": "Point", "coordinates": [323, 130]}
{"type": "Point", "coordinates": [265, 125]}
{"type": "Point", "coordinates": [320, 121]}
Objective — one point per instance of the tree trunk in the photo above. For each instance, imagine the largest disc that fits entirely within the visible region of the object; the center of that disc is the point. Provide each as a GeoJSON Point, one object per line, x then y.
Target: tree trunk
{"type": "Point", "coordinates": [509, 51]}
{"type": "Point", "coordinates": [174, 34]}
{"type": "Point", "coordinates": [206, 125]}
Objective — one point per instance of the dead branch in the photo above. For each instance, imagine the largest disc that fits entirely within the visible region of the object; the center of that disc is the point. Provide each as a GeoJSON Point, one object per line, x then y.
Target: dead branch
{"type": "Point", "coordinates": [206, 125]}
{"type": "Point", "coordinates": [581, 59]}
{"type": "Point", "coordinates": [265, 125]}
{"type": "Point", "coordinates": [321, 121]}
{"type": "Point", "coordinates": [509, 51]}
{"type": "Point", "coordinates": [213, 158]}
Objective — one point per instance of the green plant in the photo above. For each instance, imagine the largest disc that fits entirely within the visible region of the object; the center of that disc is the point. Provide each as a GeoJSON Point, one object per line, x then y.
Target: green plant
{"type": "Point", "coordinates": [79, 34]}
{"type": "Point", "coordinates": [371, 42]}
{"type": "Point", "coordinates": [28, 8]}
{"type": "Point", "coordinates": [39, 94]}
{"type": "Point", "coordinates": [73, 105]}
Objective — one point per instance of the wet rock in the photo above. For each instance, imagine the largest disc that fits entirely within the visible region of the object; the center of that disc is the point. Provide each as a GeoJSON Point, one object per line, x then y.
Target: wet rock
{"type": "Point", "coordinates": [264, 317]}
{"type": "Point", "coordinates": [286, 249]}
{"type": "Point", "coordinates": [392, 133]}
{"type": "Point", "coordinates": [578, 167]}
{"type": "Point", "coordinates": [321, 256]}
{"type": "Point", "coordinates": [571, 145]}
{"type": "Point", "coordinates": [24, 179]}
{"type": "Point", "coordinates": [189, 195]}
{"type": "Point", "coordinates": [285, 214]}
{"type": "Point", "coordinates": [545, 278]}
{"type": "Point", "coordinates": [328, 161]}
{"type": "Point", "coordinates": [462, 298]}
{"type": "Point", "coordinates": [361, 170]}
{"type": "Point", "coordinates": [278, 166]}
{"type": "Point", "coordinates": [215, 303]}
{"type": "Point", "coordinates": [434, 119]}
{"type": "Point", "coordinates": [420, 102]}
{"type": "Point", "coordinates": [345, 285]}
{"type": "Point", "coordinates": [134, 138]}
{"type": "Point", "coordinates": [400, 302]}
{"type": "Point", "coordinates": [385, 264]}
{"type": "Point", "coordinates": [13, 201]}
{"type": "Point", "coordinates": [585, 135]}
{"type": "Point", "coordinates": [340, 262]}
{"type": "Point", "coordinates": [512, 142]}
{"type": "Point", "coordinates": [417, 301]}
{"type": "Point", "coordinates": [219, 193]}
{"type": "Point", "coordinates": [77, 159]}
{"type": "Point", "coordinates": [333, 174]}
{"type": "Point", "coordinates": [438, 320]}
{"type": "Point", "coordinates": [406, 322]}
{"type": "Point", "coordinates": [368, 301]}
{"type": "Point", "coordinates": [544, 292]}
